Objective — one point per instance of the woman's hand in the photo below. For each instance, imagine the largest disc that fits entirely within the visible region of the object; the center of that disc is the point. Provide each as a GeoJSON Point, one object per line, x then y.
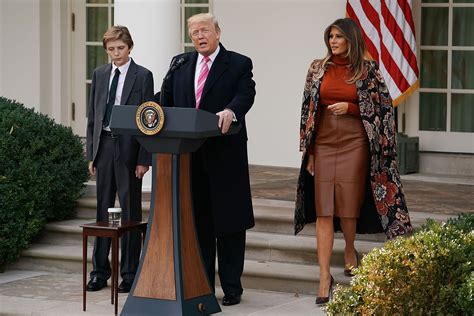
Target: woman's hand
{"type": "Point", "coordinates": [310, 165]}
{"type": "Point", "coordinates": [338, 108]}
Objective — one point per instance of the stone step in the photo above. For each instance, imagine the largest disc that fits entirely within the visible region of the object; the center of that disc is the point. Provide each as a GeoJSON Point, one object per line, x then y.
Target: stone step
{"type": "Point", "coordinates": [260, 245]}
{"type": "Point", "coordinates": [275, 259]}
{"type": "Point", "coordinates": [258, 274]}
{"type": "Point", "coordinates": [272, 216]}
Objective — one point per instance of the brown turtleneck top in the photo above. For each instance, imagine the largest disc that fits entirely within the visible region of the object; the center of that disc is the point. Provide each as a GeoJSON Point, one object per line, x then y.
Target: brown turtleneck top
{"type": "Point", "coordinates": [334, 88]}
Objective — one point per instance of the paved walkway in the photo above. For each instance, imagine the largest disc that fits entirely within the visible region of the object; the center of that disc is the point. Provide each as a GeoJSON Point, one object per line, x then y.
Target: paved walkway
{"type": "Point", "coordinates": [44, 293]}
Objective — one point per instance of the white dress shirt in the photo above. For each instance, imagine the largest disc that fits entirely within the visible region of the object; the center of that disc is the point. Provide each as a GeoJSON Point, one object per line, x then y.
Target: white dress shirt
{"type": "Point", "coordinates": [123, 73]}
{"type": "Point", "coordinates": [199, 65]}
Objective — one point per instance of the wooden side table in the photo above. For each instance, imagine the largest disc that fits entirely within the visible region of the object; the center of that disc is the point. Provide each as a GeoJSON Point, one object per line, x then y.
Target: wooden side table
{"type": "Point", "coordinates": [106, 229]}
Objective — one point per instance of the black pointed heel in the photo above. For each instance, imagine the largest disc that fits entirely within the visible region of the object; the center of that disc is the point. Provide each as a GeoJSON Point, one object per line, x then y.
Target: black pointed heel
{"type": "Point", "coordinates": [348, 270]}
{"type": "Point", "coordinates": [321, 300]}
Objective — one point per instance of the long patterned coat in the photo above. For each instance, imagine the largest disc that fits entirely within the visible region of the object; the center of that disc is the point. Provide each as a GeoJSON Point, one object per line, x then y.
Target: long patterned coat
{"type": "Point", "coordinates": [384, 207]}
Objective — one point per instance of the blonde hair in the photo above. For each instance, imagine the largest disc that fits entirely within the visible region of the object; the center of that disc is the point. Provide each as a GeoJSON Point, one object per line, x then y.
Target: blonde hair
{"type": "Point", "coordinates": [117, 32]}
{"type": "Point", "coordinates": [356, 49]}
{"type": "Point", "coordinates": [203, 17]}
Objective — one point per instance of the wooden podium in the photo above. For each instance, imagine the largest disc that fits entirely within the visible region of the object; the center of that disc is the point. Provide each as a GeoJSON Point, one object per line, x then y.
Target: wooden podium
{"type": "Point", "coordinates": [171, 279]}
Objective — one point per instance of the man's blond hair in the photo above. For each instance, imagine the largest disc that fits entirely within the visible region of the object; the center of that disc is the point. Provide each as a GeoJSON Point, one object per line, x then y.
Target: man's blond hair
{"type": "Point", "coordinates": [203, 17]}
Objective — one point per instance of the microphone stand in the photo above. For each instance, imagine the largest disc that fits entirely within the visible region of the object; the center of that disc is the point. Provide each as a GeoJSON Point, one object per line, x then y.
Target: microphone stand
{"type": "Point", "coordinates": [164, 80]}
{"type": "Point", "coordinates": [175, 64]}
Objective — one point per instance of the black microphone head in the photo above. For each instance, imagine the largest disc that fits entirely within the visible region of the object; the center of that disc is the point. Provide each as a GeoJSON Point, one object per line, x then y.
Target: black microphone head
{"type": "Point", "coordinates": [175, 64]}
{"type": "Point", "coordinates": [181, 60]}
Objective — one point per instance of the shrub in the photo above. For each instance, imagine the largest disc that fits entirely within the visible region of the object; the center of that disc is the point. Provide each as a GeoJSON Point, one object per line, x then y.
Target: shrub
{"type": "Point", "coordinates": [429, 273]}
{"type": "Point", "coordinates": [42, 173]}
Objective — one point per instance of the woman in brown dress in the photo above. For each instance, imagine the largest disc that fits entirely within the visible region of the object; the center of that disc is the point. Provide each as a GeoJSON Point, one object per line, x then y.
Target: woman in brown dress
{"type": "Point", "coordinates": [348, 143]}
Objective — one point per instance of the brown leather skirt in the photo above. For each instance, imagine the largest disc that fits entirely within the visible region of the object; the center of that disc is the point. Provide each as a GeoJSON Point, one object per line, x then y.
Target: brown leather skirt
{"type": "Point", "coordinates": [341, 151]}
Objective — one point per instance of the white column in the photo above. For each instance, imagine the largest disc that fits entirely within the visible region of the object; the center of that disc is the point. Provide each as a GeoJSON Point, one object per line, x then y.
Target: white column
{"type": "Point", "coordinates": [156, 28]}
{"type": "Point", "coordinates": [156, 31]}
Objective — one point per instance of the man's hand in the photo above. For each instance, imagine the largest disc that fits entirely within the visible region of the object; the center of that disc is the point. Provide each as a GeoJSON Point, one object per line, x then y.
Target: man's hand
{"type": "Point", "coordinates": [140, 171]}
{"type": "Point", "coordinates": [310, 165]}
{"type": "Point", "coordinates": [92, 169]}
{"type": "Point", "coordinates": [338, 108]}
{"type": "Point", "coordinates": [225, 119]}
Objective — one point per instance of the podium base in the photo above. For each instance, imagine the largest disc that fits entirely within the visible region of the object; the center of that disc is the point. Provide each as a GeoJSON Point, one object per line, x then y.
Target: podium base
{"type": "Point", "coordinates": [198, 306]}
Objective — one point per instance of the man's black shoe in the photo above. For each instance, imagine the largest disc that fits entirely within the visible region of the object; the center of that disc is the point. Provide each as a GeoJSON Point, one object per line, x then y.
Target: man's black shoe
{"type": "Point", "coordinates": [125, 286]}
{"type": "Point", "coordinates": [229, 300]}
{"type": "Point", "coordinates": [96, 284]}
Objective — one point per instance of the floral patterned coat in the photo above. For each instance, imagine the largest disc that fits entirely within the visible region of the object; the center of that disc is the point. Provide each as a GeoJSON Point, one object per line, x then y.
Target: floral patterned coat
{"type": "Point", "coordinates": [384, 201]}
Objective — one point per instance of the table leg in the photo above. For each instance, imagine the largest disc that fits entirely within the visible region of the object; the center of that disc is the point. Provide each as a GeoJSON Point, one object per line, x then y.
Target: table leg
{"type": "Point", "coordinates": [112, 285]}
{"type": "Point", "coordinates": [84, 269]}
{"type": "Point", "coordinates": [116, 246]}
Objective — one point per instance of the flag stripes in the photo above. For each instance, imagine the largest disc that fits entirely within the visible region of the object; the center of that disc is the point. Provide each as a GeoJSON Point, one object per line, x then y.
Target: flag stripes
{"type": "Point", "coordinates": [389, 33]}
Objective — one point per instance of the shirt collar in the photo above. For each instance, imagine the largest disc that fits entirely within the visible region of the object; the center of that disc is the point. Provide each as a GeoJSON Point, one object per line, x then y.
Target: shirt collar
{"type": "Point", "coordinates": [124, 68]}
{"type": "Point", "coordinates": [212, 56]}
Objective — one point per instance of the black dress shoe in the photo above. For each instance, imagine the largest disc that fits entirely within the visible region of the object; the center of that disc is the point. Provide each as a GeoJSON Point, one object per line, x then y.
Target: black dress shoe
{"type": "Point", "coordinates": [125, 286]}
{"type": "Point", "coordinates": [229, 300]}
{"type": "Point", "coordinates": [321, 300]}
{"type": "Point", "coordinates": [96, 284]}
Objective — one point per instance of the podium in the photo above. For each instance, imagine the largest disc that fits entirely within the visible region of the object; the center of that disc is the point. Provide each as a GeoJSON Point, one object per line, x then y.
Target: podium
{"type": "Point", "coordinates": [171, 279]}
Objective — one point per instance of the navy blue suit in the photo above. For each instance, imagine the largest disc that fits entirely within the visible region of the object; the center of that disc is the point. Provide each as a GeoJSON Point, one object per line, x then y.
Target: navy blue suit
{"type": "Point", "coordinates": [220, 178]}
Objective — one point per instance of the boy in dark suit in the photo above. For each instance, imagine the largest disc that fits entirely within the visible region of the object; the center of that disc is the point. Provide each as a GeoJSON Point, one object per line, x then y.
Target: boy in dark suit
{"type": "Point", "coordinates": [218, 81]}
{"type": "Point", "coordinates": [117, 161]}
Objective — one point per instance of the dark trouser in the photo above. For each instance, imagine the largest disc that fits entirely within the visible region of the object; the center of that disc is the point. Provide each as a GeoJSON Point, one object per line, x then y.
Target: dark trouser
{"type": "Point", "coordinates": [230, 246]}
{"type": "Point", "coordinates": [113, 177]}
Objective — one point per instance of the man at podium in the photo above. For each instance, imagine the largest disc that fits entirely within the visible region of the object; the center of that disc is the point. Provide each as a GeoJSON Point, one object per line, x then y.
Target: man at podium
{"type": "Point", "coordinates": [218, 81]}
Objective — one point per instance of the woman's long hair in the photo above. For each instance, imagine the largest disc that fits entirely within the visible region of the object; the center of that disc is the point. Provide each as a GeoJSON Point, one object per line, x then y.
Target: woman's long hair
{"type": "Point", "coordinates": [356, 48]}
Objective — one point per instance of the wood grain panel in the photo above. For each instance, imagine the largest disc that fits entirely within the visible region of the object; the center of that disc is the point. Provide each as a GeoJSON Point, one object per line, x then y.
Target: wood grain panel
{"type": "Point", "coordinates": [194, 276]}
{"type": "Point", "coordinates": [157, 276]}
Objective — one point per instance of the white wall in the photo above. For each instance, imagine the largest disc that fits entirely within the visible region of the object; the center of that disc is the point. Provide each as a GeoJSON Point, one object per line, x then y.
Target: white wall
{"type": "Point", "coordinates": [33, 55]}
{"type": "Point", "coordinates": [1, 46]}
{"type": "Point", "coordinates": [155, 28]}
{"type": "Point", "coordinates": [20, 59]}
{"type": "Point", "coordinates": [282, 37]}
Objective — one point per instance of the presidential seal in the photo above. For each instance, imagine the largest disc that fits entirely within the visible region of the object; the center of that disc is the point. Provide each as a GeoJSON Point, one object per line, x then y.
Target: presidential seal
{"type": "Point", "coordinates": [150, 118]}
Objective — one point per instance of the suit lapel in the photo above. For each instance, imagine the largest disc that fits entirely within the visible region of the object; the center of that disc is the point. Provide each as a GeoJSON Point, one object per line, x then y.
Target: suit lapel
{"type": "Point", "coordinates": [129, 81]}
{"type": "Point", "coordinates": [103, 80]}
{"type": "Point", "coordinates": [219, 66]}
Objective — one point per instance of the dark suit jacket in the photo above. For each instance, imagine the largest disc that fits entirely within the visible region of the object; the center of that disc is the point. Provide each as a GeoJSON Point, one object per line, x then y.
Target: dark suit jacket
{"type": "Point", "coordinates": [137, 88]}
{"type": "Point", "coordinates": [228, 85]}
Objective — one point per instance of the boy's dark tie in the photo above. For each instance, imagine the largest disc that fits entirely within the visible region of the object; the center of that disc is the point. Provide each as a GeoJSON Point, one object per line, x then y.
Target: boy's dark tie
{"type": "Point", "coordinates": [111, 99]}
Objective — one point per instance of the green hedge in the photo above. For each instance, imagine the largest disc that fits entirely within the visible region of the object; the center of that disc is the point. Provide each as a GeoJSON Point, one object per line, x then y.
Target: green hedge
{"type": "Point", "coordinates": [429, 273]}
{"type": "Point", "coordinates": [42, 172]}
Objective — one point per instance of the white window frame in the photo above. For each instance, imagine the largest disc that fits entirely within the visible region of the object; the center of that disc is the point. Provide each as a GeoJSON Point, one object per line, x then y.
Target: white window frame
{"type": "Point", "coordinates": [447, 141]}
{"type": "Point", "coordinates": [184, 4]}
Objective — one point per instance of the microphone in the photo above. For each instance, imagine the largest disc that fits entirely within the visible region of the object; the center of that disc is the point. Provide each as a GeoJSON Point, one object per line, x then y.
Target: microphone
{"type": "Point", "coordinates": [176, 63]}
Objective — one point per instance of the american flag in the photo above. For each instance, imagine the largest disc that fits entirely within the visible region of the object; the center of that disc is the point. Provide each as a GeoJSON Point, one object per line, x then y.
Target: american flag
{"type": "Point", "coordinates": [389, 33]}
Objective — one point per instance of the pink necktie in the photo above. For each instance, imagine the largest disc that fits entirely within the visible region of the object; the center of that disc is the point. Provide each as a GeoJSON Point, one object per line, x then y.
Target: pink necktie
{"type": "Point", "coordinates": [202, 80]}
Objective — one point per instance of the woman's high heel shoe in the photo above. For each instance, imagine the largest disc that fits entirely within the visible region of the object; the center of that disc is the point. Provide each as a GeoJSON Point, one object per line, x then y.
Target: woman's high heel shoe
{"type": "Point", "coordinates": [321, 300]}
{"type": "Point", "coordinates": [348, 269]}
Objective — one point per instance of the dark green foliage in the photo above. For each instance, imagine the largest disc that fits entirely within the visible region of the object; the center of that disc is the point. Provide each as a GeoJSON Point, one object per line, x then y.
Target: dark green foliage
{"type": "Point", "coordinates": [42, 172]}
{"type": "Point", "coordinates": [429, 273]}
